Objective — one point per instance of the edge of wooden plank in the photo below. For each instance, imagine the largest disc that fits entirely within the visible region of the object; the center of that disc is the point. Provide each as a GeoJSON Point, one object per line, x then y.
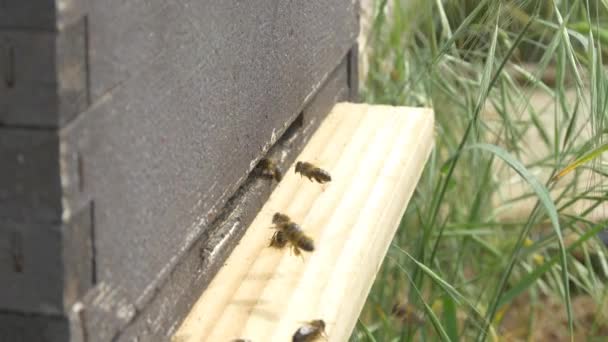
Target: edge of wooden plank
{"type": "Point", "coordinates": [242, 300]}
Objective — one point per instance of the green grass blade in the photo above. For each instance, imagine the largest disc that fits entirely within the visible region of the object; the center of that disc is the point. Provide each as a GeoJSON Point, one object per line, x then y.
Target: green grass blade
{"type": "Point", "coordinates": [527, 281]}
{"type": "Point", "coordinates": [436, 278]}
{"type": "Point", "coordinates": [429, 312]}
{"type": "Point", "coordinates": [545, 200]}
{"type": "Point", "coordinates": [449, 317]}
{"type": "Point", "coordinates": [591, 155]}
{"type": "Point", "coordinates": [367, 333]}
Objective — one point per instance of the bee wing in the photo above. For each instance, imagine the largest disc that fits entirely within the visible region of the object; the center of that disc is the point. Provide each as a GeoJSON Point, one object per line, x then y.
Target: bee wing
{"type": "Point", "coordinates": [306, 330]}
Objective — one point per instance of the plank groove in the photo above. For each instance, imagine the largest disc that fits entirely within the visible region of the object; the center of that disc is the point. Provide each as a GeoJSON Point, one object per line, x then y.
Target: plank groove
{"type": "Point", "coordinates": [375, 155]}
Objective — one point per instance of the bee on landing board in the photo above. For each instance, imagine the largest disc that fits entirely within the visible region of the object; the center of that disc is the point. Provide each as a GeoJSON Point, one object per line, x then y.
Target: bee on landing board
{"type": "Point", "coordinates": [310, 331]}
{"type": "Point", "coordinates": [292, 233]}
{"type": "Point", "coordinates": [270, 169]}
{"type": "Point", "coordinates": [312, 172]}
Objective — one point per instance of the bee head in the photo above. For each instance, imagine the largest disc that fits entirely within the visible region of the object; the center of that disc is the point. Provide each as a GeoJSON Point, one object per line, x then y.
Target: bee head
{"type": "Point", "coordinates": [299, 166]}
{"type": "Point", "coordinates": [279, 218]}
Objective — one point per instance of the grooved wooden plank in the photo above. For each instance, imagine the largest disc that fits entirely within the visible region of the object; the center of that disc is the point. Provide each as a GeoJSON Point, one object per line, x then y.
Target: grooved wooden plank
{"type": "Point", "coordinates": [375, 155]}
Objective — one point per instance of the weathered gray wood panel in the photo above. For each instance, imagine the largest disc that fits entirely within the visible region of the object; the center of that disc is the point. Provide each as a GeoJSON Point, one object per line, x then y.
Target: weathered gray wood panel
{"type": "Point", "coordinates": [15, 327]}
{"type": "Point", "coordinates": [30, 189]}
{"type": "Point", "coordinates": [45, 267]}
{"type": "Point", "coordinates": [33, 14]}
{"type": "Point", "coordinates": [43, 76]}
{"type": "Point", "coordinates": [179, 290]}
{"type": "Point", "coordinates": [125, 128]}
{"type": "Point", "coordinates": [40, 15]}
{"type": "Point", "coordinates": [179, 135]}
{"type": "Point", "coordinates": [245, 43]}
{"type": "Point", "coordinates": [31, 268]}
{"type": "Point", "coordinates": [28, 77]}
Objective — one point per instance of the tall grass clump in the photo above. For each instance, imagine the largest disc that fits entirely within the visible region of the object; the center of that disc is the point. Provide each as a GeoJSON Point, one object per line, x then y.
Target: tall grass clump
{"type": "Point", "coordinates": [501, 239]}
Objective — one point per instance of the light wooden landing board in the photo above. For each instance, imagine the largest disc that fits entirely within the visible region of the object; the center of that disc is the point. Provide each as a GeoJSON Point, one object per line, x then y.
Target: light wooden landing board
{"type": "Point", "coordinates": [375, 155]}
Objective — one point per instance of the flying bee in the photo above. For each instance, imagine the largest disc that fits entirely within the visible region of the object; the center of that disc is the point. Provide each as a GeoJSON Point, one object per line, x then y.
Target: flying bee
{"type": "Point", "coordinates": [270, 169]}
{"type": "Point", "coordinates": [292, 232]}
{"type": "Point", "coordinates": [310, 331]}
{"type": "Point", "coordinates": [312, 172]}
{"type": "Point", "coordinates": [407, 313]}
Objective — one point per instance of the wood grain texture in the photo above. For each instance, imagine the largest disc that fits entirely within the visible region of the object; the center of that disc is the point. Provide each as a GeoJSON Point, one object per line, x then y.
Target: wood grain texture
{"type": "Point", "coordinates": [375, 155]}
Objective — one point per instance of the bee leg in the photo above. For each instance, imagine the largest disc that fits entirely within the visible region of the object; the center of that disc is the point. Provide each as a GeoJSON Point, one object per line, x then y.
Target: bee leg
{"type": "Point", "coordinates": [297, 252]}
{"type": "Point", "coordinates": [273, 238]}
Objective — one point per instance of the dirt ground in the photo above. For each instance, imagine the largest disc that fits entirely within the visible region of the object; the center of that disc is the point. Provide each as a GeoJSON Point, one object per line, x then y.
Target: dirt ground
{"type": "Point", "coordinates": [550, 321]}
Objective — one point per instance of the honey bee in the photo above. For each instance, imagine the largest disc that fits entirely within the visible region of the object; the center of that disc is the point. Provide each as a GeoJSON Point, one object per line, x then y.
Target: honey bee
{"type": "Point", "coordinates": [407, 313]}
{"type": "Point", "coordinates": [270, 169]}
{"type": "Point", "coordinates": [310, 331]}
{"type": "Point", "coordinates": [312, 172]}
{"type": "Point", "coordinates": [292, 233]}
{"type": "Point", "coordinates": [241, 340]}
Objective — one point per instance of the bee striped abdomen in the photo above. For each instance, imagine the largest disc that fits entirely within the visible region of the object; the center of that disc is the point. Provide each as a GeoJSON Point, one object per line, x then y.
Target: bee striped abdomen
{"type": "Point", "coordinates": [321, 176]}
{"type": "Point", "coordinates": [306, 243]}
{"type": "Point", "coordinates": [311, 331]}
{"type": "Point", "coordinates": [298, 238]}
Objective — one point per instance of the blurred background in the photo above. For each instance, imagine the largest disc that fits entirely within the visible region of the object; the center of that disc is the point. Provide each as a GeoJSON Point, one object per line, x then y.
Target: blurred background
{"type": "Point", "coordinates": [505, 236]}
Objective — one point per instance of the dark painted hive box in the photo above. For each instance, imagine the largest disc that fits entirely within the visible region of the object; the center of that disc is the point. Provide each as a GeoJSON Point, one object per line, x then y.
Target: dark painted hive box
{"type": "Point", "coordinates": [129, 136]}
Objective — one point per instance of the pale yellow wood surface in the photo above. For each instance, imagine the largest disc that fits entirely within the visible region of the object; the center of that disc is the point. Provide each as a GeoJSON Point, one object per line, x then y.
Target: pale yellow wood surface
{"type": "Point", "coordinates": [375, 155]}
